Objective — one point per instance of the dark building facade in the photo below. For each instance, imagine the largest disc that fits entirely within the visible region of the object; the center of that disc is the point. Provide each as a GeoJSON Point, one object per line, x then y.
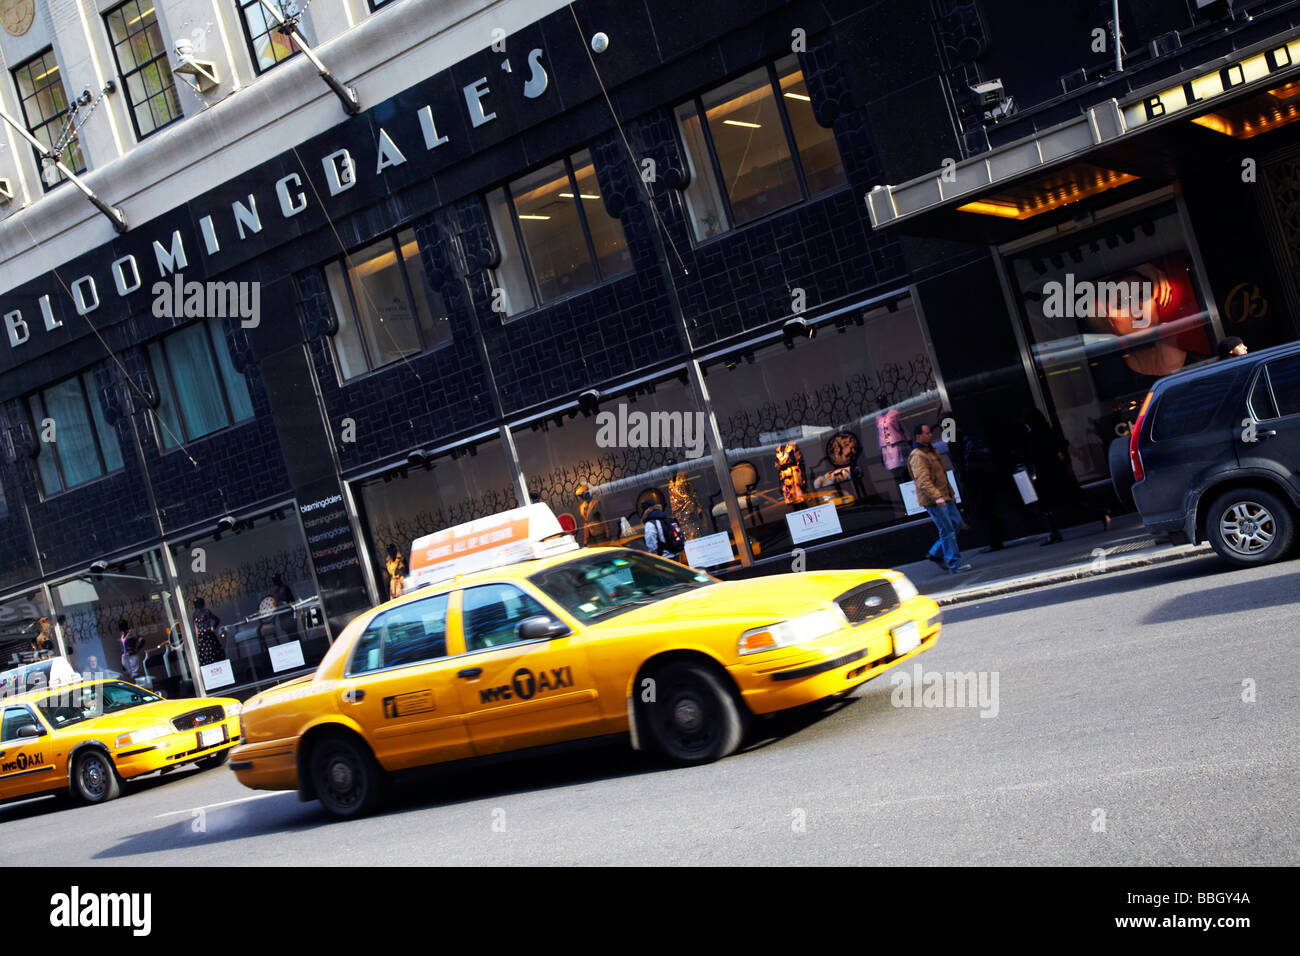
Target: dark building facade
{"type": "Point", "coordinates": [672, 267]}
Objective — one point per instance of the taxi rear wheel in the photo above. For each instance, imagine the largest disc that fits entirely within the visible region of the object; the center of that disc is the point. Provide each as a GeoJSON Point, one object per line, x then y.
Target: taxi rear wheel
{"type": "Point", "coordinates": [94, 779]}
{"type": "Point", "coordinates": [694, 718]}
{"type": "Point", "coordinates": [347, 779]}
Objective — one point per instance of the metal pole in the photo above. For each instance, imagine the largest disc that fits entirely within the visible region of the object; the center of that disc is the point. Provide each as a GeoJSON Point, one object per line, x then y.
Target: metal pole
{"type": "Point", "coordinates": [346, 94]}
{"type": "Point", "coordinates": [115, 215]}
{"type": "Point", "coordinates": [1119, 56]}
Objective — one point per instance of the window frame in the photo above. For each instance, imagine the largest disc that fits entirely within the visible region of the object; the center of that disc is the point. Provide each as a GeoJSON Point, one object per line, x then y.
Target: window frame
{"type": "Point", "coordinates": [377, 622]}
{"type": "Point", "coordinates": [240, 7]}
{"type": "Point", "coordinates": [530, 273]}
{"type": "Point", "coordinates": [714, 164]}
{"type": "Point", "coordinates": [1266, 373]}
{"type": "Point", "coordinates": [345, 261]}
{"type": "Point", "coordinates": [122, 75]}
{"type": "Point", "coordinates": [57, 120]}
{"type": "Point", "coordinates": [174, 394]}
{"type": "Point", "coordinates": [525, 592]}
{"type": "Point", "coordinates": [105, 471]}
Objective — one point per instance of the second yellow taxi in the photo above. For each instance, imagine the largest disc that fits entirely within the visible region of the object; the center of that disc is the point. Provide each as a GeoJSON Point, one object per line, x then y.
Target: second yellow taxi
{"type": "Point", "coordinates": [567, 644]}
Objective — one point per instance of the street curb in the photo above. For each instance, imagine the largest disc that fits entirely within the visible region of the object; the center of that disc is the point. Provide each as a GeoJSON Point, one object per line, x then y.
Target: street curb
{"type": "Point", "coordinates": [1074, 572]}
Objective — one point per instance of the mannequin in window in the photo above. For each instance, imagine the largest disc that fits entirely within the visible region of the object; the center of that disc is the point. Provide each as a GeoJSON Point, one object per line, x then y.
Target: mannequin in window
{"type": "Point", "coordinates": [892, 437]}
{"type": "Point", "coordinates": [684, 504]}
{"type": "Point", "coordinates": [396, 567]}
{"type": "Point", "coordinates": [594, 529]}
{"type": "Point", "coordinates": [789, 466]}
{"type": "Point", "coordinates": [205, 633]}
{"type": "Point", "coordinates": [284, 599]}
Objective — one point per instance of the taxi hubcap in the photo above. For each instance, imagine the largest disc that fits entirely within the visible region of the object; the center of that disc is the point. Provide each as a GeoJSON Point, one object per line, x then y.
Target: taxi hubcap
{"type": "Point", "coordinates": [92, 776]}
{"type": "Point", "coordinates": [688, 715]}
{"type": "Point", "coordinates": [341, 778]}
{"type": "Point", "coordinates": [1247, 527]}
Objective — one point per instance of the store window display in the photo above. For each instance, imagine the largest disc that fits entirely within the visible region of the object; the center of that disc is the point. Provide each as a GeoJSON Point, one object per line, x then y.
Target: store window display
{"type": "Point", "coordinates": [26, 633]}
{"type": "Point", "coordinates": [125, 621]}
{"type": "Point", "coordinates": [413, 500]}
{"type": "Point", "coordinates": [827, 422]}
{"type": "Point", "coordinates": [598, 470]}
{"type": "Point", "coordinates": [252, 603]}
{"type": "Point", "coordinates": [1109, 311]}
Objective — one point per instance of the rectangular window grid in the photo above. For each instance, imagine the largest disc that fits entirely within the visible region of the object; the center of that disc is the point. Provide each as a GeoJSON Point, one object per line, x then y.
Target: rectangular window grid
{"type": "Point", "coordinates": [142, 63]}
{"type": "Point", "coordinates": [199, 391]}
{"type": "Point", "coordinates": [84, 445]}
{"type": "Point", "coordinates": [267, 45]}
{"type": "Point", "coordinates": [45, 108]}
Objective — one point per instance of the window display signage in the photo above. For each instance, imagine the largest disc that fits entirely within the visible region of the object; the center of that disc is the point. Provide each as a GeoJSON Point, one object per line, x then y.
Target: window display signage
{"type": "Point", "coordinates": [286, 656]}
{"type": "Point", "coordinates": [813, 523]}
{"type": "Point", "coordinates": [710, 550]}
{"type": "Point", "coordinates": [217, 674]}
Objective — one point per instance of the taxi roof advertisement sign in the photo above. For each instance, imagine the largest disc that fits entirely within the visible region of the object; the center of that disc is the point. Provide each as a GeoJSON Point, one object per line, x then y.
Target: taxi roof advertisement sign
{"type": "Point", "coordinates": [491, 542]}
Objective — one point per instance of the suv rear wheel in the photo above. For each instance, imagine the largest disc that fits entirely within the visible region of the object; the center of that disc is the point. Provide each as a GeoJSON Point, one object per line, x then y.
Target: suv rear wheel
{"type": "Point", "coordinates": [1250, 526]}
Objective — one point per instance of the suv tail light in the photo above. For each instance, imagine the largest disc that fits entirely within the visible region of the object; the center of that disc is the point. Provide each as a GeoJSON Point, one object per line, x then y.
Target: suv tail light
{"type": "Point", "coordinates": [1134, 456]}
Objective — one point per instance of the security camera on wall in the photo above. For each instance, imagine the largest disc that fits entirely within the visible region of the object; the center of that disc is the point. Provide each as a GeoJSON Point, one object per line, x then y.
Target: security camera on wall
{"type": "Point", "coordinates": [199, 75]}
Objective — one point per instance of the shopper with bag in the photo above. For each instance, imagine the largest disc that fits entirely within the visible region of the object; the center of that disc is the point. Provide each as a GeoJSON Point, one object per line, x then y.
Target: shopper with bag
{"type": "Point", "coordinates": [1045, 456]}
{"type": "Point", "coordinates": [935, 495]}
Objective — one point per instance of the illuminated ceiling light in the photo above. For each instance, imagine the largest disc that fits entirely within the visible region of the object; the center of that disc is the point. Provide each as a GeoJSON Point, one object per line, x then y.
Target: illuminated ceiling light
{"type": "Point", "coordinates": [1050, 192]}
{"type": "Point", "coordinates": [523, 216]}
{"type": "Point", "coordinates": [742, 123]}
{"type": "Point", "coordinates": [1287, 92]}
{"type": "Point", "coordinates": [583, 195]}
{"type": "Point", "coordinates": [1006, 210]}
{"type": "Point", "coordinates": [134, 20]}
{"type": "Point", "coordinates": [799, 96]}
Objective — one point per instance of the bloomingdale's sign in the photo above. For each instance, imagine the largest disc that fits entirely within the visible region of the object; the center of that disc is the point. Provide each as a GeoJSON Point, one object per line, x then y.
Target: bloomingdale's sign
{"type": "Point", "coordinates": [283, 200]}
{"type": "Point", "coordinates": [1273, 59]}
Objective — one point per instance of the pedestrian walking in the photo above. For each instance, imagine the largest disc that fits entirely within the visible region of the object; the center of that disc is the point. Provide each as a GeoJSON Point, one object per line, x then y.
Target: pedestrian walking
{"type": "Point", "coordinates": [663, 535]}
{"type": "Point", "coordinates": [936, 496]}
{"type": "Point", "coordinates": [1045, 454]}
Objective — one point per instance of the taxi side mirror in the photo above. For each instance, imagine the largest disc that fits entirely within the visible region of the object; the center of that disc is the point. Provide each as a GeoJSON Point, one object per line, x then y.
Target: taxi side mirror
{"type": "Point", "coordinates": [31, 730]}
{"type": "Point", "coordinates": [540, 627]}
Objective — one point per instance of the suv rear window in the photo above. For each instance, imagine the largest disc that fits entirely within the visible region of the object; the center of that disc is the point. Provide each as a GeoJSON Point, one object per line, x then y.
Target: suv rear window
{"type": "Point", "coordinates": [1284, 376]}
{"type": "Point", "coordinates": [1188, 409]}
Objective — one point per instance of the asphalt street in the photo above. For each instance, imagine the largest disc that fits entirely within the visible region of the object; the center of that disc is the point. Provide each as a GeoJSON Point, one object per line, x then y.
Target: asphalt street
{"type": "Point", "coordinates": [1149, 717]}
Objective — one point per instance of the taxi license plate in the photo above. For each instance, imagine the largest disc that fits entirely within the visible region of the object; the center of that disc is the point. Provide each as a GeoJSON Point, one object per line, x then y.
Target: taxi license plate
{"type": "Point", "coordinates": [907, 637]}
{"type": "Point", "coordinates": [212, 736]}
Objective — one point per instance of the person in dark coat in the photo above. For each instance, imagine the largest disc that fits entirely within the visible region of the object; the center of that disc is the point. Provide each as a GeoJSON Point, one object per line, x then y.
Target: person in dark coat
{"type": "Point", "coordinates": [977, 476]}
{"type": "Point", "coordinates": [1046, 456]}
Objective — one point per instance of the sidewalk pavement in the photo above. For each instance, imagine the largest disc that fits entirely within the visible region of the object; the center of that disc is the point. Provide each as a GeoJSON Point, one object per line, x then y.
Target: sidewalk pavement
{"type": "Point", "coordinates": [1025, 563]}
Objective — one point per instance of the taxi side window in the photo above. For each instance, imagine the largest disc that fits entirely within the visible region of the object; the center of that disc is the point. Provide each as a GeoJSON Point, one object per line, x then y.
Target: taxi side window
{"type": "Point", "coordinates": [410, 634]}
{"type": "Point", "coordinates": [492, 612]}
{"type": "Point", "coordinates": [14, 718]}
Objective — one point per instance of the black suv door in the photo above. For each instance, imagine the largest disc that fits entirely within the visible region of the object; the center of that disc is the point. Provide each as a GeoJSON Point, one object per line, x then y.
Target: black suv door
{"type": "Point", "coordinates": [1274, 405]}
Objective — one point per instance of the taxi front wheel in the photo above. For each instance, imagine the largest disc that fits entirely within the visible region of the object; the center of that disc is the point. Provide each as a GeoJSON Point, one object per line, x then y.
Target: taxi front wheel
{"type": "Point", "coordinates": [348, 780]}
{"type": "Point", "coordinates": [694, 718]}
{"type": "Point", "coordinates": [94, 779]}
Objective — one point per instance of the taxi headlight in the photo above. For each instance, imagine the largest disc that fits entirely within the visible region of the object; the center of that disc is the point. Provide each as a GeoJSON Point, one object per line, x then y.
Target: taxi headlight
{"type": "Point", "coordinates": [143, 736]}
{"type": "Point", "coordinates": [797, 630]}
{"type": "Point", "coordinates": [234, 709]}
{"type": "Point", "coordinates": [905, 589]}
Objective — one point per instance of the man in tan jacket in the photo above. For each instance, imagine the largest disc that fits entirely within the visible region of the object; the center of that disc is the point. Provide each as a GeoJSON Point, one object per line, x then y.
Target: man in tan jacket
{"type": "Point", "coordinates": [935, 495]}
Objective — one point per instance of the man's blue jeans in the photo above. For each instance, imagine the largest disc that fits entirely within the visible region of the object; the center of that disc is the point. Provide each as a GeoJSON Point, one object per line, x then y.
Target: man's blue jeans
{"type": "Point", "coordinates": [947, 518]}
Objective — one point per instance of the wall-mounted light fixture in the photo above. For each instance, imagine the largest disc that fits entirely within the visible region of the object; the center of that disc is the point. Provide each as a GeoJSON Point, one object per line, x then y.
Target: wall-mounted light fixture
{"type": "Point", "coordinates": [199, 75]}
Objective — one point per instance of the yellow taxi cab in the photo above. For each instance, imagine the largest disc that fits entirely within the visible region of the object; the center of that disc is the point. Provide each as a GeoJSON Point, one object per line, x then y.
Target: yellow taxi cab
{"type": "Point", "coordinates": [86, 737]}
{"type": "Point", "coordinates": [509, 636]}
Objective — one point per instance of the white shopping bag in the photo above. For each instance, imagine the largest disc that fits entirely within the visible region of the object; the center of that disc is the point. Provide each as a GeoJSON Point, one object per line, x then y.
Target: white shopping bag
{"type": "Point", "coordinates": [1025, 485]}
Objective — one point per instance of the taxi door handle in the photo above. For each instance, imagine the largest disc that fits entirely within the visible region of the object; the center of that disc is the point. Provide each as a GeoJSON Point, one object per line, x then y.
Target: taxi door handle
{"type": "Point", "coordinates": [470, 672]}
{"type": "Point", "coordinates": [353, 695]}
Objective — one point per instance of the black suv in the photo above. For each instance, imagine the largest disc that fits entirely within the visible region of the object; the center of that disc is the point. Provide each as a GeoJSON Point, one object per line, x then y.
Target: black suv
{"type": "Point", "coordinates": [1215, 454]}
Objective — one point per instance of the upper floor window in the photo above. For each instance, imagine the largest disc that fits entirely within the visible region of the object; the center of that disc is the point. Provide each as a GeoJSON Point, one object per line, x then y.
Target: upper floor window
{"type": "Point", "coordinates": [554, 234]}
{"type": "Point", "coordinates": [199, 391]}
{"type": "Point", "coordinates": [754, 147]}
{"type": "Point", "coordinates": [142, 63]}
{"type": "Point", "coordinates": [45, 110]}
{"type": "Point", "coordinates": [74, 442]}
{"type": "Point", "coordinates": [385, 309]}
{"type": "Point", "coordinates": [266, 43]}
{"type": "Point", "coordinates": [376, 4]}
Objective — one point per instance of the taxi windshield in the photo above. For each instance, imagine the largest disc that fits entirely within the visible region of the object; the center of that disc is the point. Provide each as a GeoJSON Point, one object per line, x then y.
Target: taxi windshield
{"type": "Point", "coordinates": [600, 586]}
{"type": "Point", "coordinates": [63, 708]}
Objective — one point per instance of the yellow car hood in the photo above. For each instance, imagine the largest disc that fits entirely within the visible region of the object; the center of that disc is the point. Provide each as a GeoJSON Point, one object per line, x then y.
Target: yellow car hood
{"type": "Point", "coordinates": [142, 715]}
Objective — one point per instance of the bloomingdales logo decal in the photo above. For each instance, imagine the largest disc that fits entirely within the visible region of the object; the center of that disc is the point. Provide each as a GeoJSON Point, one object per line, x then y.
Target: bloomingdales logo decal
{"type": "Point", "coordinates": [288, 195]}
